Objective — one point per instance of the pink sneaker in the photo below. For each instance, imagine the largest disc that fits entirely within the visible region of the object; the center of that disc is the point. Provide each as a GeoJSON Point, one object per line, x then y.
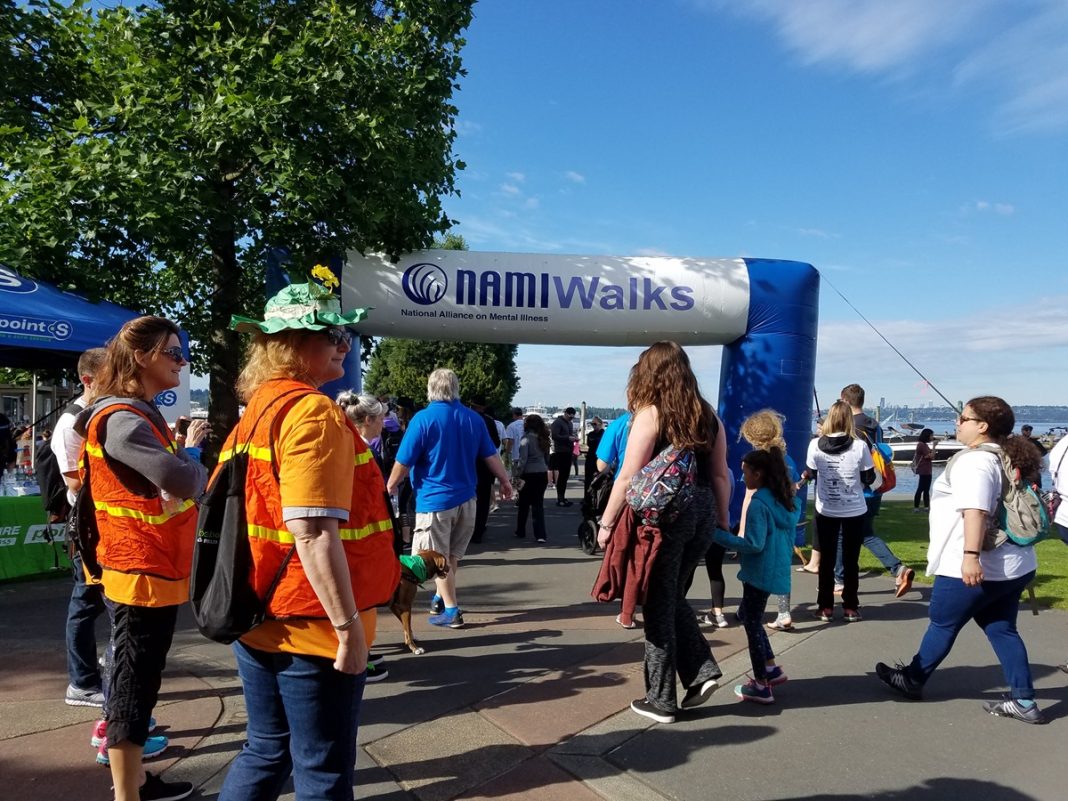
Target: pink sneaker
{"type": "Point", "coordinates": [100, 732]}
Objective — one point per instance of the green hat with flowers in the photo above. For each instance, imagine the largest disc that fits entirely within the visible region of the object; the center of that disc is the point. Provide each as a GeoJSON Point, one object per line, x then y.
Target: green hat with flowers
{"type": "Point", "coordinates": [310, 306]}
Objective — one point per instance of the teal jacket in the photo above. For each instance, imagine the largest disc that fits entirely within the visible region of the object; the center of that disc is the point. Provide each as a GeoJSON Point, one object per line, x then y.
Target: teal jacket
{"type": "Point", "coordinates": [768, 546]}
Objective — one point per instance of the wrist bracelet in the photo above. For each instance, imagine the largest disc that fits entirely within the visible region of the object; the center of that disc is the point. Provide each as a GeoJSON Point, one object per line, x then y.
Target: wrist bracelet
{"type": "Point", "coordinates": [348, 623]}
{"type": "Point", "coordinates": [608, 526]}
{"type": "Point", "coordinates": [971, 553]}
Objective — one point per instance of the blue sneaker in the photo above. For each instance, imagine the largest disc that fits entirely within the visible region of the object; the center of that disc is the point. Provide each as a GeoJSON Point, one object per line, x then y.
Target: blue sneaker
{"type": "Point", "coordinates": [775, 676]}
{"type": "Point", "coordinates": [450, 618]}
{"type": "Point", "coordinates": [154, 746]}
{"type": "Point", "coordinates": [100, 731]}
{"type": "Point", "coordinates": [437, 606]}
{"type": "Point", "coordinates": [754, 691]}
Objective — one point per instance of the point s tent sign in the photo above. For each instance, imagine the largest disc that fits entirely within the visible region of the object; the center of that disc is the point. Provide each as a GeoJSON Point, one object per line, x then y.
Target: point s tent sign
{"type": "Point", "coordinates": [543, 299]}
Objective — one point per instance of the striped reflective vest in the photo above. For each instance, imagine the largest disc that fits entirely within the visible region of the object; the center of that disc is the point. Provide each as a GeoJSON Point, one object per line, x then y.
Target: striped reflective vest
{"type": "Point", "coordinates": [367, 535]}
{"type": "Point", "coordinates": [146, 542]}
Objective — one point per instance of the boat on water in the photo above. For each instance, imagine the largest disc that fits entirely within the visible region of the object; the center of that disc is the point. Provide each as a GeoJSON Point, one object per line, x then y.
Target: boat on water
{"type": "Point", "coordinates": [902, 439]}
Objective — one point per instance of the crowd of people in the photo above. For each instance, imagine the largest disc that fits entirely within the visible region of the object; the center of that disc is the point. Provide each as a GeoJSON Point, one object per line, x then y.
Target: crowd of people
{"type": "Point", "coordinates": [337, 489]}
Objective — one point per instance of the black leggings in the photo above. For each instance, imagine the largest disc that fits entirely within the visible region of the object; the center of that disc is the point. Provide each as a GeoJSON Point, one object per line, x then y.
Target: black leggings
{"type": "Point", "coordinates": [714, 567]}
{"type": "Point", "coordinates": [924, 490]}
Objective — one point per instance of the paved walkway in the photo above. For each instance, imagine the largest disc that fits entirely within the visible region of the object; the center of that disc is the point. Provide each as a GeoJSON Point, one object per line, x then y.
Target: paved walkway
{"type": "Point", "coordinates": [530, 701]}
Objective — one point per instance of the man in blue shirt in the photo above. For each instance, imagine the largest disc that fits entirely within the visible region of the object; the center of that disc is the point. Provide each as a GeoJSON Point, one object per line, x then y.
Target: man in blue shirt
{"type": "Point", "coordinates": [614, 444]}
{"type": "Point", "coordinates": [440, 449]}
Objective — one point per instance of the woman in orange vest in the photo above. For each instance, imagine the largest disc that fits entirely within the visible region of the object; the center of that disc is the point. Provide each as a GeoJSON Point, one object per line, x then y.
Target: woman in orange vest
{"type": "Point", "coordinates": [322, 549]}
{"type": "Point", "coordinates": [143, 487]}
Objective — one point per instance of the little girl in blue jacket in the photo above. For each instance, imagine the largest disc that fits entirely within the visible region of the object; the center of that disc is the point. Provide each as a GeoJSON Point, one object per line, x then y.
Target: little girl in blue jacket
{"type": "Point", "coordinates": [765, 552]}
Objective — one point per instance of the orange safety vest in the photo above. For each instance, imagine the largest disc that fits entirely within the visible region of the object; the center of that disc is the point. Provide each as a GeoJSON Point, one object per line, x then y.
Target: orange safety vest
{"type": "Point", "coordinates": [367, 536]}
{"type": "Point", "coordinates": [146, 543]}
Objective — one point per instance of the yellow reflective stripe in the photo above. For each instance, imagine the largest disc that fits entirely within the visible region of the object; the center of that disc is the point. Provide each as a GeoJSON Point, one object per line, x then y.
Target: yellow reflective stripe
{"type": "Point", "coordinates": [364, 458]}
{"type": "Point", "coordinates": [156, 520]}
{"type": "Point", "coordinates": [93, 450]}
{"type": "Point", "coordinates": [350, 534]}
{"type": "Point", "coordinates": [263, 454]}
{"type": "Point", "coordinates": [366, 531]}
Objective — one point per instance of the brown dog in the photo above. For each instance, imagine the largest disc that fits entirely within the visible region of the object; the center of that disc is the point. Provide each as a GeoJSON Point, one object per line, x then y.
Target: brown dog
{"type": "Point", "coordinates": [404, 596]}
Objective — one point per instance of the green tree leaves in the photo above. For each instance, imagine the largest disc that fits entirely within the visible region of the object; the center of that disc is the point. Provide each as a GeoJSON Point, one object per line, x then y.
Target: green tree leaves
{"type": "Point", "coordinates": [152, 155]}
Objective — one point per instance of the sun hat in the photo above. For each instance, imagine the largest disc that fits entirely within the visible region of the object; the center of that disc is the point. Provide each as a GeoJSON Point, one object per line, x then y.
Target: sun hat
{"type": "Point", "coordinates": [310, 306]}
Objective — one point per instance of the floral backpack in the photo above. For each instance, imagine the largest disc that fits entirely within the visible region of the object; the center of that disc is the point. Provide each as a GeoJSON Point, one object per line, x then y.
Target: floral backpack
{"type": "Point", "coordinates": [664, 487]}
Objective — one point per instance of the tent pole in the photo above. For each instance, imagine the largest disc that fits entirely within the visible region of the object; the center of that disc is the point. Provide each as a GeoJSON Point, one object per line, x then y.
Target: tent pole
{"type": "Point", "coordinates": [33, 416]}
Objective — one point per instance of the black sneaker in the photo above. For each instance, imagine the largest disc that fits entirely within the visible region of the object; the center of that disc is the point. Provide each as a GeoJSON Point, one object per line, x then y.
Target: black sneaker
{"type": "Point", "coordinates": [376, 671]}
{"type": "Point", "coordinates": [437, 606]}
{"type": "Point", "coordinates": [647, 710]}
{"type": "Point", "coordinates": [155, 789]}
{"type": "Point", "coordinates": [1011, 709]}
{"type": "Point", "coordinates": [896, 678]}
{"type": "Point", "coordinates": [699, 693]}
{"type": "Point", "coordinates": [565, 503]}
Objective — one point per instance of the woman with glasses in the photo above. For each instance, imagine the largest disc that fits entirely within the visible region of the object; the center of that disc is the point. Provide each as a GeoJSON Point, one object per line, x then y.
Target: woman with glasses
{"type": "Point", "coordinates": [976, 578]}
{"type": "Point", "coordinates": [144, 487]}
{"type": "Point", "coordinates": [321, 539]}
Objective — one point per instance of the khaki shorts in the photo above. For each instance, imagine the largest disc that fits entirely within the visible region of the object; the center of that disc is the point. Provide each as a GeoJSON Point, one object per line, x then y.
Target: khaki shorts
{"type": "Point", "coordinates": [448, 532]}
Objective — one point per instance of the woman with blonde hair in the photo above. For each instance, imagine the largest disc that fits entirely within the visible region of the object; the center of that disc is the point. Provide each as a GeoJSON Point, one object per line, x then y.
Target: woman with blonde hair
{"type": "Point", "coordinates": [668, 408]}
{"type": "Point", "coordinates": [842, 466]}
{"type": "Point", "coordinates": [322, 553]}
{"type": "Point", "coordinates": [144, 487]}
{"type": "Point", "coordinates": [763, 430]}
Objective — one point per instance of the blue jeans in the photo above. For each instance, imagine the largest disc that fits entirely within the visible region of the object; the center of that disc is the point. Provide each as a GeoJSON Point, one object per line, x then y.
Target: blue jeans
{"type": "Point", "coordinates": [86, 604]}
{"type": "Point", "coordinates": [879, 549]}
{"type": "Point", "coordinates": [302, 720]}
{"type": "Point", "coordinates": [993, 605]}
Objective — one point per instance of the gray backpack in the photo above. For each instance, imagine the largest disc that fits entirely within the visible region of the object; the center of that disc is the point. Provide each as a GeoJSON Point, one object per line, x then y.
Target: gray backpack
{"type": "Point", "coordinates": [1021, 517]}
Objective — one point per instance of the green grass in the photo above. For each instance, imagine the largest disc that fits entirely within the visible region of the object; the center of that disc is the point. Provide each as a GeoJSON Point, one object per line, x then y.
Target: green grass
{"type": "Point", "coordinates": [906, 533]}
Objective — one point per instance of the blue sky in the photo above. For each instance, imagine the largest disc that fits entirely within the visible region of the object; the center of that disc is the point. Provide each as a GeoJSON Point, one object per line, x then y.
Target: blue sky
{"type": "Point", "coordinates": [913, 151]}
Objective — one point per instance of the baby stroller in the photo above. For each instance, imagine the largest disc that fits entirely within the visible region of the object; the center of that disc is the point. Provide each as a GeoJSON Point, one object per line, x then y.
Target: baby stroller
{"type": "Point", "coordinates": [593, 504]}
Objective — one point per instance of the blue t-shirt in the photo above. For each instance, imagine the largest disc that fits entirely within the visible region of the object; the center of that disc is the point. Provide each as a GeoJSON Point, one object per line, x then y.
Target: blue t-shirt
{"type": "Point", "coordinates": [441, 445]}
{"type": "Point", "coordinates": [614, 442]}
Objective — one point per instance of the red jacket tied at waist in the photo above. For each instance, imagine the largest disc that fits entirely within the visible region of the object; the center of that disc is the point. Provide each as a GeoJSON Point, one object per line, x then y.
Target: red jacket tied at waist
{"type": "Point", "coordinates": [628, 562]}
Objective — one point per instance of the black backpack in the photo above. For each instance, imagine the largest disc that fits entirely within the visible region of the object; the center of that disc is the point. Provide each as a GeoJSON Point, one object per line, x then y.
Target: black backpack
{"type": "Point", "coordinates": [225, 605]}
{"type": "Point", "coordinates": [49, 477]}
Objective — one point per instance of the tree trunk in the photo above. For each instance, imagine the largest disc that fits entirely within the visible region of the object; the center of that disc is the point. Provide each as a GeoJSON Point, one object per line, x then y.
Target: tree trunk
{"type": "Point", "coordinates": [224, 348]}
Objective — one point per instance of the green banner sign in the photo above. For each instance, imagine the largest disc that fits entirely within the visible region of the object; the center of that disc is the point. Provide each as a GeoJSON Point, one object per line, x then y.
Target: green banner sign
{"type": "Point", "coordinates": [28, 546]}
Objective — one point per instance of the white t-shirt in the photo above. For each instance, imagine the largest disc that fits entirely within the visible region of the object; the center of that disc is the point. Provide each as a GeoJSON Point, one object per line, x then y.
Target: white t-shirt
{"type": "Point", "coordinates": [66, 444]}
{"type": "Point", "coordinates": [1058, 468]}
{"type": "Point", "coordinates": [514, 432]}
{"type": "Point", "coordinates": [976, 484]}
{"type": "Point", "coordinates": [839, 491]}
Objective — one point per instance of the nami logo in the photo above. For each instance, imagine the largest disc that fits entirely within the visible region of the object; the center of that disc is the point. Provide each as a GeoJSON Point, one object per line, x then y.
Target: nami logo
{"type": "Point", "coordinates": [425, 284]}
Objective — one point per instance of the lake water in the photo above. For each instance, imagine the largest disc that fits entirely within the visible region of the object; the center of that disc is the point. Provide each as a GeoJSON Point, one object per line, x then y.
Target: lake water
{"type": "Point", "coordinates": [907, 481]}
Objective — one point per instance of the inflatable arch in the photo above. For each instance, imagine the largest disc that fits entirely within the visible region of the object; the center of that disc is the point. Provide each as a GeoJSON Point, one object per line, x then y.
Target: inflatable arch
{"type": "Point", "coordinates": [763, 312]}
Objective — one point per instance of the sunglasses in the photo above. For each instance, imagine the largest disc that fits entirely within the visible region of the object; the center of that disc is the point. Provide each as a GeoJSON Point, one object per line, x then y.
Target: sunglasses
{"type": "Point", "coordinates": [175, 353]}
{"type": "Point", "coordinates": [961, 419]}
{"type": "Point", "coordinates": [337, 335]}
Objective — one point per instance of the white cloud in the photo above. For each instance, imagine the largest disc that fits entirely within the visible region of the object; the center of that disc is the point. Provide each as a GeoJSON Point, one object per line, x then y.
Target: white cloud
{"type": "Point", "coordinates": [510, 189]}
{"type": "Point", "coordinates": [818, 233]}
{"type": "Point", "coordinates": [986, 206]}
{"type": "Point", "coordinates": [468, 128]}
{"type": "Point", "coordinates": [575, 177]}
{"type": "Point", "coordinates": [1018, 50]}
{"type": "Point", "coordinates": [517, 177]}
{"type": "Point", "coordinates": [531, 203]}
{"type": "Point", "coordinates": [652, 252]}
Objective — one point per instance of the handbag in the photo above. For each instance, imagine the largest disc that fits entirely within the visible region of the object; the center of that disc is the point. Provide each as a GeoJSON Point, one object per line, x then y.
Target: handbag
{"type": "Point", "coordinates": [663, 489]}
{"type": "Point", "coordinates": [225, 604]}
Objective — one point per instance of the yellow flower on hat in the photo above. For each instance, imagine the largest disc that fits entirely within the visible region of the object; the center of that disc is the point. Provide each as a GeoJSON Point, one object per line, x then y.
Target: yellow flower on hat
{"type": "Point", "coordinates": [326, 275]}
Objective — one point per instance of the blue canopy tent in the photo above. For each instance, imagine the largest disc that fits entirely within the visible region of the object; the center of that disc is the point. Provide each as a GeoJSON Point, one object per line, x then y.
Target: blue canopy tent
{"type": "Point", "coordinates": [41, 326]}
